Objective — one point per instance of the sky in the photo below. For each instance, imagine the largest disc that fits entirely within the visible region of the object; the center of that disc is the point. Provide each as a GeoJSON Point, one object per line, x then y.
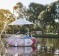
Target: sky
{"type": "Point", "coordinates": [9, 4]}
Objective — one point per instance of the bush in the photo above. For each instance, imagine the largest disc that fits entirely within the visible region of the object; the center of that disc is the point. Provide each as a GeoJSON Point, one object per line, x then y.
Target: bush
{"type": "Point", "coordinates": [46, 36]}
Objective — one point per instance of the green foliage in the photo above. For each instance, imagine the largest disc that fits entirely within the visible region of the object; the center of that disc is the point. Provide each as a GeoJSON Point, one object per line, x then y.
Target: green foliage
{"type": "Point", "coordinates": [48, 16]}
{"type": "Point", "coordinates": [46, 36]}
{"type": "Point", "coordinates": [20, 10]}
{"type": "Point", "coordinates": [5, 16]}
{"type": "Point", "coordinates": [34, 10]}
{"type": "Point", "coordinates": [23, 30]}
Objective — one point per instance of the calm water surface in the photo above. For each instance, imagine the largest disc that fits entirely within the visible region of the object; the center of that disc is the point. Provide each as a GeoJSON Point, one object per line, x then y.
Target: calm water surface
{"type": "Point", "coordinates": [44, 47]}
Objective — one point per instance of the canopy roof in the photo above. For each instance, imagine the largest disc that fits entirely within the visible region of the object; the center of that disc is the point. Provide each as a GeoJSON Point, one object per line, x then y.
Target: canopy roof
{"type": "Point", "coordinates": [21, 22]}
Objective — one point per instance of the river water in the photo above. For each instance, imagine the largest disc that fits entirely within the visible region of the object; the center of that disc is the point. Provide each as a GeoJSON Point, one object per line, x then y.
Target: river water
{"type": "Point", "coordinates": [44, 47]}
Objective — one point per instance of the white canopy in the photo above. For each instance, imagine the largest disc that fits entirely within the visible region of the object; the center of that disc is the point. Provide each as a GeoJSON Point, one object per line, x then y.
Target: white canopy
{"type": "Point", "coordinates": [21, 22]}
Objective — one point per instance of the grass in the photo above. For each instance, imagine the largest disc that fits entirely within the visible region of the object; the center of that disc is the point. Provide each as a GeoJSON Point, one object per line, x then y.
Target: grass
{"type": "Point", "coordinates": [46, 36]}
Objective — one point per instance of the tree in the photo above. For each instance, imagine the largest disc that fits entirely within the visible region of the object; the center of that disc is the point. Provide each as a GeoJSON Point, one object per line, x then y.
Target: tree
{"type": "Point", "coordinates": [49, 16]}
{"type": "Point", "coordinates": [34, 10]}
{"type": "Point", "coordinates": [20, 10]}
{"type": "Point", "coordinates": [5, 17]}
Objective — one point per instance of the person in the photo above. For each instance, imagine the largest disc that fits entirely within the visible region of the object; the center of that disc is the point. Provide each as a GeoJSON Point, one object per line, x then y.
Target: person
{"type": "Point", "coordinates": [29, 34]}
{"type": "Point", "coordinates": [16, 43]}
{"type": "Point", "coordinates": [26, 36]}
{"type": "Point", "coordinates": [34, 41]}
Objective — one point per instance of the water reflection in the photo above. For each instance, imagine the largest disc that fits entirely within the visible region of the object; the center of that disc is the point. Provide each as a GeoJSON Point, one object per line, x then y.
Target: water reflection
{"type": "Point", "coordinates": [20, 51]}
{"type": "Point", "coordinates": [45, 47]}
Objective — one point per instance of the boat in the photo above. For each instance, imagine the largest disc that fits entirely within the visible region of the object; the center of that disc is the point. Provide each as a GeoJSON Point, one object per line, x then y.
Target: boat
{"type": "Point", "coordinates": [21, 40]}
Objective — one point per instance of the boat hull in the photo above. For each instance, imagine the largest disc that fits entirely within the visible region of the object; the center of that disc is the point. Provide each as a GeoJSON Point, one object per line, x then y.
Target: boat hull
{"type": "Point", "coordinates": [21, 41]}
